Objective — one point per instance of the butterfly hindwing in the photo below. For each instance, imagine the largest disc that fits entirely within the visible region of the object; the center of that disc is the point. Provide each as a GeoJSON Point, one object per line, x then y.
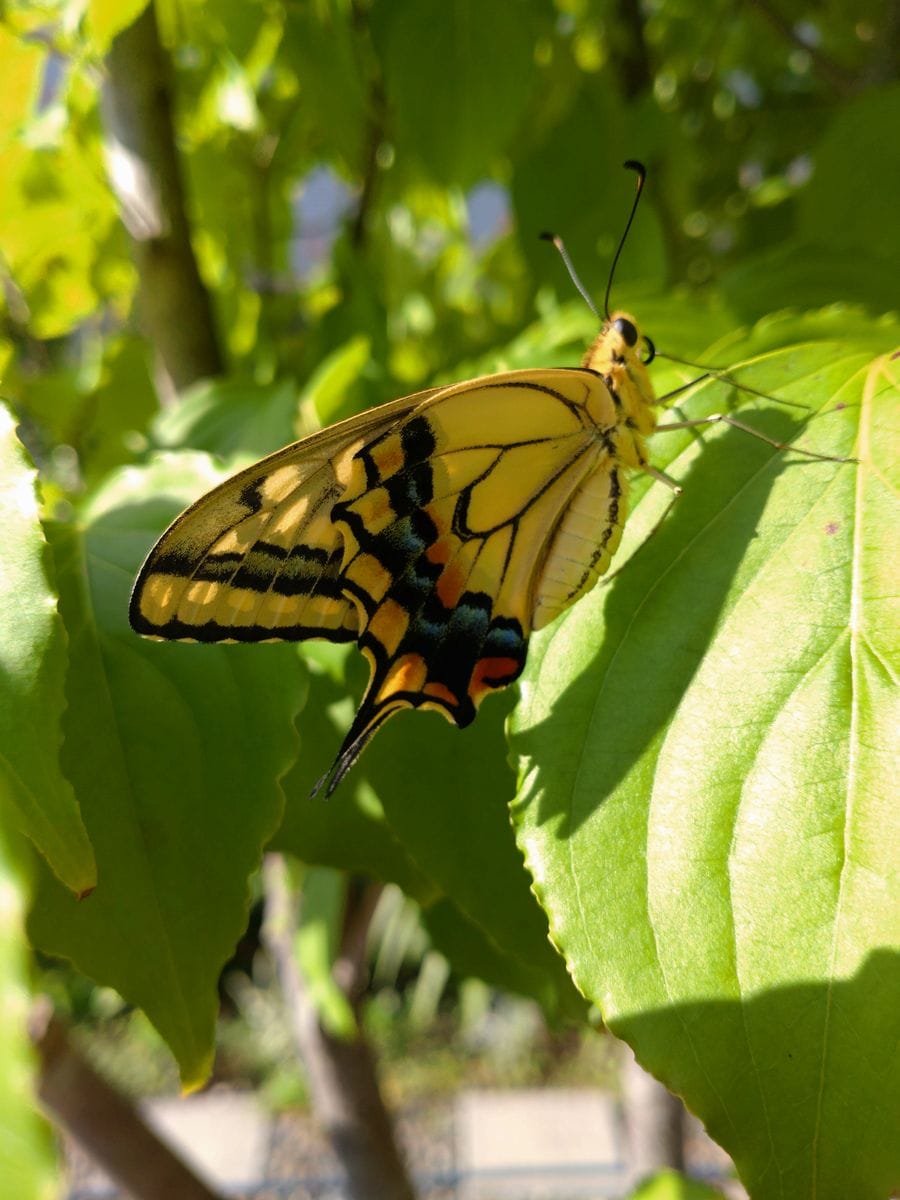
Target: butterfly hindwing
{"type": "Point", "coordinates": [446, 521]}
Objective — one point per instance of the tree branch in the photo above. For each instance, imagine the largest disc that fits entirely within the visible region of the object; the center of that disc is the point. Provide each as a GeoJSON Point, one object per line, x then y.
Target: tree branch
{"type": "Point", "coordinates": [630, 53]}
{"type": "Point", "coordinates": [104, 1122]}
{"type": "Point", "coordinates": [654, 1119]}
{"type": "Point", "coordinates": [342, 1077]}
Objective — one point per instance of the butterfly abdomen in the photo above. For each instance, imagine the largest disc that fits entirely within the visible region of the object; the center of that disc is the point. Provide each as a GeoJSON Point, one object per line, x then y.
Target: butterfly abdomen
{"type": "Point", "coordinates": [585, 541]}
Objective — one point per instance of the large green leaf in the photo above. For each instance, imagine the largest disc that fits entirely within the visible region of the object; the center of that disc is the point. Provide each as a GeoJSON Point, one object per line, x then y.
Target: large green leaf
{"type": "Point", "coordinates": [33, 792]}
{"type": "Point", "coordinates": [706, 786]}
{"type": "Point", "coordinates": [349, 830]}
{"type": "Point", "coordinates": [174, 752]}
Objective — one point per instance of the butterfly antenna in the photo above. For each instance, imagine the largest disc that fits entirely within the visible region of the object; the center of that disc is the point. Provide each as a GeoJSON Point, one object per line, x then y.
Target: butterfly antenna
{"type": "Point", "coordinates": [641, 172]}
{"type": "Point", "coordinates": [573, 275]}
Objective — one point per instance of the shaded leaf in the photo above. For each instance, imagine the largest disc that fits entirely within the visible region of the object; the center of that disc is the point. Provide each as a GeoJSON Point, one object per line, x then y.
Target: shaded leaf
{"type": "Point", "coordinates": [230, 418]}
{"type": "Point", "coordinates": [425, 808]}
{"type": "Point", "coordinates": [174, 752]}
{"type": "Point", "coordinates": [835, 211]}
{"type": "Point", "coordinates": [445, 791]}
{"type": "Point", "coordinates": [471, 61]}
{"type": "Point", "coordinates": [349, 830]}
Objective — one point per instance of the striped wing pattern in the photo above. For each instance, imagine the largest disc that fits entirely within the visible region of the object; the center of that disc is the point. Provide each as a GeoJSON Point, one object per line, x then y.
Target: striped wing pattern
{"type": "Point", "coordinates": [435, 532]}
{"type": "Point", "coordinates": [258, 557]}
{"type": "Point", "coordinates": [445, 521]}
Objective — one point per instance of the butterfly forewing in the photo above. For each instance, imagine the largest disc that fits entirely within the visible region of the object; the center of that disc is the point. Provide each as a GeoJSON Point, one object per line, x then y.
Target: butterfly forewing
{"type": "Point", "coordinates": [258, 557]}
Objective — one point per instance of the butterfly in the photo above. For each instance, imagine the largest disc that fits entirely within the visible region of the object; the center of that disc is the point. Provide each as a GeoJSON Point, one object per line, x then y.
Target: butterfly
{"type": "Point", "coordinates": [437, 532]}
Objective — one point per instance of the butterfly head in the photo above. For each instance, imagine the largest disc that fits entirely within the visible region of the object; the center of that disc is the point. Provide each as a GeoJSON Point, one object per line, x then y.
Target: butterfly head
{"type": "Point", "coordinates": [621, 354]}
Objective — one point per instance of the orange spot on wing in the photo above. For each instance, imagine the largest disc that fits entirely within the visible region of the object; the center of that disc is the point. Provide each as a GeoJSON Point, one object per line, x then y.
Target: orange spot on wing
{"type": "Point", "coordinates": [492, 673]}
{"type": "Point", "coordinates": [389, 624]}
{"type": "Point", "coordinates": [407, 674]}
{"type": "Point", "coordinates": [441, 692]}
{"type": "Point", "coordinates": [450, 586]}
{"type": "Point", "coordinates": [440, 551]}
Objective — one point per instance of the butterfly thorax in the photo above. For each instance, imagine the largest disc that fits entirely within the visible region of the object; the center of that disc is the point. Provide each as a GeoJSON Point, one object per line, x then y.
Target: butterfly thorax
{"type": "Point", "coordinates": [615, 356]}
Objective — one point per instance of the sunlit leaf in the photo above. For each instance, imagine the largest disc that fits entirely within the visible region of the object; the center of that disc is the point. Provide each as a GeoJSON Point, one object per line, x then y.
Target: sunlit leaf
{"type": "Point", "coordinates": [36, 797]}
{"type": "Point", "coordinates": [106, 18]}
{"type": "Point", "coordinates": [705, 796]}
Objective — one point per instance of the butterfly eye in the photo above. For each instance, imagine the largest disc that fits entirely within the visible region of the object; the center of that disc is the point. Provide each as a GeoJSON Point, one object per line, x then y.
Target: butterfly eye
{"type": "Point", "coordinates": [651, 352]}
{"type": "Point", "coordinates": [627, 330]}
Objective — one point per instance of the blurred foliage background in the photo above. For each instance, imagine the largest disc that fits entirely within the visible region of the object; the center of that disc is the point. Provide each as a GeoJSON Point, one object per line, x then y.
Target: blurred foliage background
{"type": "Point", "coordinates": [358, 192]}
{"type": "Point", "coordinates": [365, 183]}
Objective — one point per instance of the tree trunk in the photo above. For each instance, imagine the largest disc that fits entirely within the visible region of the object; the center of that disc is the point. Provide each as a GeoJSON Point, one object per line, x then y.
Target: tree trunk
{"type": "Point", "coordinates": [175, 308]}
{"type": "Point", "coordinates": [343, 1082]}
{"type": "Point", "coordinates": [654, 1119]}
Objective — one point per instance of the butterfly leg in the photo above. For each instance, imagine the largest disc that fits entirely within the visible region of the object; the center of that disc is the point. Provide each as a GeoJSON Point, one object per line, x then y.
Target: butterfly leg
{"type": "Point", "coordinates": [661, 477]}
{"type": "Point", "coordinates": [723, 377]}
{"type": "Point", "coordinates": [728, 419]}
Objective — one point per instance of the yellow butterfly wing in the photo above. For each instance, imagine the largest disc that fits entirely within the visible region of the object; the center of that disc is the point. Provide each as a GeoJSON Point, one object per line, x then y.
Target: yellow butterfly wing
{"type": "Point", "coordinates": [257, 557]}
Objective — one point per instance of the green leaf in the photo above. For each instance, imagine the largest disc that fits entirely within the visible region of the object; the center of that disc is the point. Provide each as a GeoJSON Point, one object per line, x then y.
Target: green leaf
{"type": "Point", "coordinates": [445, 794]}
{"type": "Point", "coordinates": [445, 834]}
{"type": "Point", "coordinates": [230, 418]}
{"type": "Point", "coordinates": [323, 46]}
{"type": "Point", "coordinates": [585, 196]}
{"type": "Point", "coordinates": [475, 955]}
{"type": "Point", "coordinates": [174, 752]}
{"type": "Point", "coordinates": [56, 221]}
{"type": "Point", "coordinates": [806, 275]}
{"type": "Point", "coordinates": [326, 390]}
{"type": "Point", "coordinates": [349, 830]}
{"type": "Point", "coordinates": [706, 790]}
{"type": "Point", "coordinates": [835, 211]}
{"type": "Point", "coordinates": [472, 61]}
{"type": "Point", "coordinates": [23, 63]}
{"type": "Point", "coordinates": [106, 18]}
{"type": "Point", "coordinates": [669, 1185]}
{"type": "Point", "coordinates": [27, 1160]}
{"type": "Point", "coordinates": [35, 795]}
